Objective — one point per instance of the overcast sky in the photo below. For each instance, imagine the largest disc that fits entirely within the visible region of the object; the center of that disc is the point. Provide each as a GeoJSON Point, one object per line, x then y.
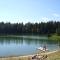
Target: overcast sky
{"type": "Point", "coordinates": [29, 10]}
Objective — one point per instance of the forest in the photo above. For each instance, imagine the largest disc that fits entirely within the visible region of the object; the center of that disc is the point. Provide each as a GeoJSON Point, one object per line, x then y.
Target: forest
{"type": "Point", "coordinates": [50, 27]}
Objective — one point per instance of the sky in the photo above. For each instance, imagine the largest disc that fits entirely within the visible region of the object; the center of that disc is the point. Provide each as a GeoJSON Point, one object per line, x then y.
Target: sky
{"type": "Point", "coordinates": [17, 11]}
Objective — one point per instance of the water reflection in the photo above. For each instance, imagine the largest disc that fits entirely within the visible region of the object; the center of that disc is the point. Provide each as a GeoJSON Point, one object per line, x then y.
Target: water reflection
{"type": "Point", "coordinates": [11, 40]}
{"type": "Point", "coordinates": [24, 45]}
{"type": "Point", "coordinates": [27, 41]}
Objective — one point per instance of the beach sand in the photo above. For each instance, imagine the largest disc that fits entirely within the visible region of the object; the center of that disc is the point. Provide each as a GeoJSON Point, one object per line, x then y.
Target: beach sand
{"type": "Point", "coordinates": [54, 55]}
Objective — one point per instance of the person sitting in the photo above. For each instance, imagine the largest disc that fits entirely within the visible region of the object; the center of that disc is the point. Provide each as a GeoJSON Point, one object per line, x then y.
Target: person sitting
{"type": "Point", "coordinates": [44, 47]}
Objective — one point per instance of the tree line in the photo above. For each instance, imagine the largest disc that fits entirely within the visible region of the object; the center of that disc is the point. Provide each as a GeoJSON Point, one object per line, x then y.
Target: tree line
{"type": "Point", "coordinates": [29, 28]}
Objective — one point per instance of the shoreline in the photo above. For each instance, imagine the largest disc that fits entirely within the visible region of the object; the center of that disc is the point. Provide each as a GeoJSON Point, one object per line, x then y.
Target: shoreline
{"type": "Point", "coordinates": [25, 57]}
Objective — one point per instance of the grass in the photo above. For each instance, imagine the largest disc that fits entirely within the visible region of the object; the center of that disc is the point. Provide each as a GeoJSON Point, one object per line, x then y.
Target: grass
{"type": "Point", "coordinates": [54, 37]}
{"type": "Point", "coordinates": [54, 56]}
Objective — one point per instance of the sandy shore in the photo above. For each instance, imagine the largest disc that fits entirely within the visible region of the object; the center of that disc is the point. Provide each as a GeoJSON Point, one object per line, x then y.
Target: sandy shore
{"type": "Point", "coordinates": [29, 57]}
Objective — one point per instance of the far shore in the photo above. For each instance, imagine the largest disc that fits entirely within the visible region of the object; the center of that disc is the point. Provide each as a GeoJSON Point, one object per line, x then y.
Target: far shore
{"type": "Point", "coordinates": [53, 37]}
{"type": "Point", "coordinates": [24, 36]}
{"type": "Point", "coordinates": [51, 55]}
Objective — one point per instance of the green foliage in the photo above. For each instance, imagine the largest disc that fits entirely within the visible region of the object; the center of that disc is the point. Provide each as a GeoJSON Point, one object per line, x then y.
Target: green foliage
{"type": "Point", "coordinates": [54, 37]}
{"type": "Point", "coordinates": [30, 28]}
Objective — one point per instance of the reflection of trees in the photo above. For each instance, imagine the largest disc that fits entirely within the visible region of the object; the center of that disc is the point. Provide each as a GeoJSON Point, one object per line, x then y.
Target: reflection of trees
{"type": "Point", "coordinates": [31, 41]}
{"type": "Point", "coordinates": [59, 44]}
{"type": "Point", "coordinates": [11, 40]}
{"type": "Point", "coordinates": [28, 41]}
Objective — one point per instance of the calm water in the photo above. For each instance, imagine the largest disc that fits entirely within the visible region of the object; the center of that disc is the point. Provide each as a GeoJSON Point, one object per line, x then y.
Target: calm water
{"type": "Point", "coordinates": [25, 45]}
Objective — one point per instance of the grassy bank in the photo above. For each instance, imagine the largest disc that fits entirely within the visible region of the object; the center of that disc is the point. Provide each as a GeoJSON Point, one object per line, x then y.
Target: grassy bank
{"type": "Point", "coordinates": [54, 56]}
{"type": "Point", "coordinates": [54, 37]}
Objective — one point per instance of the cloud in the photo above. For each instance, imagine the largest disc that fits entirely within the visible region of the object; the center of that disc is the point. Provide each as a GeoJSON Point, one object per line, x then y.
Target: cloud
{"type": "Point", "coordinates": [56, 15]}
{"type": "Point", "coordinates": [45, 19]}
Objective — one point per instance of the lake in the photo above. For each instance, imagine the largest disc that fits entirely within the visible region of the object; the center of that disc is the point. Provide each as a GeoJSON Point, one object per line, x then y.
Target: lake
{"type": "Point", "coordinates": [25, 45]}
